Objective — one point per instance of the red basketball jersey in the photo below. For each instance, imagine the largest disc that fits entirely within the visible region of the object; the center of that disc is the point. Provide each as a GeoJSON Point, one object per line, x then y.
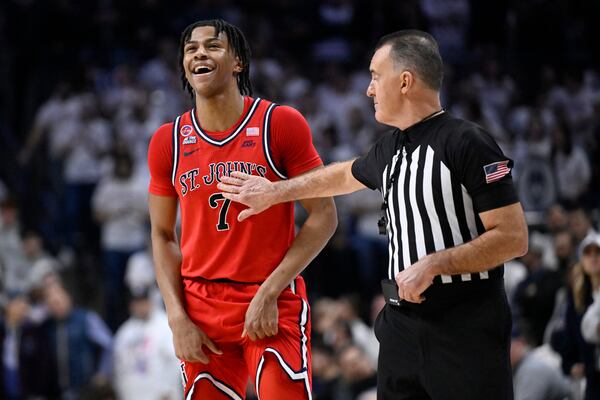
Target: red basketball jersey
{"type": "Point", "coordinates": [214, 244]}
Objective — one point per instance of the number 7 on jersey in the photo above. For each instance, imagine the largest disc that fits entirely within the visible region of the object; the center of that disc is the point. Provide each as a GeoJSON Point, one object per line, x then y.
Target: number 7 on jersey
{"type": "Point", "coordinates": [213, 200]}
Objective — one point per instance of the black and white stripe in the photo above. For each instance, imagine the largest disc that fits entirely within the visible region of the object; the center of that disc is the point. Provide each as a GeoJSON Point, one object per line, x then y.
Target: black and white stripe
{"type": "Point", "coordinates": [428, 211]}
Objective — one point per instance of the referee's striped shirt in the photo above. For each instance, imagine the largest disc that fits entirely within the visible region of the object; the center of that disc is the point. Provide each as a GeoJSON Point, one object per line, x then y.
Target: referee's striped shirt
{"type": "Point", "coordinates": [445, 172]}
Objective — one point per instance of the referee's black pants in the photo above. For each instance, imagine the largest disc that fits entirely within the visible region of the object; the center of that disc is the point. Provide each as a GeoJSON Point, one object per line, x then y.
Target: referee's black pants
{"type": "Point", "coordinates": [458, 350]}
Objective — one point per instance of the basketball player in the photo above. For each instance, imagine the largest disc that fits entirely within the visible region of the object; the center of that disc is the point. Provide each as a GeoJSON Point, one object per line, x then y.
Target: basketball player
{"type": "Point", "coordinates": [236, 305]}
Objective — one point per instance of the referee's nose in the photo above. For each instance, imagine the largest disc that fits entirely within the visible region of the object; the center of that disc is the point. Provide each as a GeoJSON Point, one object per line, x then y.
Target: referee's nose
{"type": "Point", "coordinates": [371, 90]}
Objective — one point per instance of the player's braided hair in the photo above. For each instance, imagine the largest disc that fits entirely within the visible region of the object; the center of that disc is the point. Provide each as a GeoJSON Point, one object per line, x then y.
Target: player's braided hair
{"type": "Point", "coordinates": [237, 43]}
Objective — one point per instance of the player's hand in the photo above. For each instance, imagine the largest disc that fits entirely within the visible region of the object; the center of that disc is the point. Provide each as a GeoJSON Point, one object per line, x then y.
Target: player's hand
{"type": "Point", "coordinates": [188, 340]}
{"type": "Point", "coordinates": [262, 318]}
{"type": "Point", "coordinates": [413, 281]}
{"type": "Point", "coordinates": [254, 191]}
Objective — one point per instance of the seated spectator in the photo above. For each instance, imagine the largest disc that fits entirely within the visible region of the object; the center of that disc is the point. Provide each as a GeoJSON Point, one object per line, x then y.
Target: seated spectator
{"type": "Point", "coordinates": [579, 358]}
{"type": "Point", "coordinates": [358, 374]}
{"type": "Point", "coordinates": [80, 344]}
{"type": "Point", "coordinates": [120, 206]}
{"type": "Point", "coordinates": [326, 372]}
{"type": "Point", "coordinates": [139, 275]}
{"type": "Point", "coordinates": [145, 365]}
{"type": "Point", "coordinates": [590, 324]}
{"type": "Point", "coordinates": [14, 318]}
{"type": "Point", "coordinates": [25, 353]}
{"type": "Point", "coordinates": [12, 271]}
{"type": "Point", "coordinates": [534, 296]}
{"type": "Point", "coordinates": [533, 377]}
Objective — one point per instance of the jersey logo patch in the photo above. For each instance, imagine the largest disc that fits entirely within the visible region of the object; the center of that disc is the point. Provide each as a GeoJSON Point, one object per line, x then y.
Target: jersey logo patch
{"type": "Point", "coordinates": [186, 130]}
{"type": "Point", "coordinates": [248, 143]}
{"type": "Point", "coordinates": [189, 140]}
{"type": "Point", "coordinates": [496, 171]}
{"type": "Point", "coordinates": [189, 153]}
{"type": "Point", "coordinates": [252, 131]}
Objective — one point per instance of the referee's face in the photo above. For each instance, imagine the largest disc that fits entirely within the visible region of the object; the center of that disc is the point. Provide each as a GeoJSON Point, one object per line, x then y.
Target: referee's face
{"type": "Point", "coordinates": [386, 87]}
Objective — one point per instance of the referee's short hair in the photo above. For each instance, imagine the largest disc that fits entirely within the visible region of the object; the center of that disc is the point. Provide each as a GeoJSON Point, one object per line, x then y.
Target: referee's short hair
{"type": "Point", "coordinates": [417, 51]}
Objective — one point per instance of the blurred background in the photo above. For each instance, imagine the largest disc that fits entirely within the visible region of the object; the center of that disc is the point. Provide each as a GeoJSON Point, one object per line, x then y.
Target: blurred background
{"type": "Point", "coordinates": [84, 84]}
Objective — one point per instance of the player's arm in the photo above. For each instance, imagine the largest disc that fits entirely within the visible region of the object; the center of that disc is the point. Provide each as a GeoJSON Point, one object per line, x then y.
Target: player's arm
{"type": "Point", "coordinates": [187, 337]}
{"type": "Point", "coordinates": [259, 193]}
{"type": "Point", "coordinates": [166, 253]}
{"type": "Point", "coordinates": [262, 315]}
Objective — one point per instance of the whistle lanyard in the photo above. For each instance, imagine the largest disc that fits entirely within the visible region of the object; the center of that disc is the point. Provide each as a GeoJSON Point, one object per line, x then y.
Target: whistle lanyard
{"type": "Point", "coordinates": [395, 172]}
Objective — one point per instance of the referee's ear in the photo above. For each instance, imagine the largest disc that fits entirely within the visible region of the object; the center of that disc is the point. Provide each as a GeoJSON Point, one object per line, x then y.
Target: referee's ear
{"type": "Point", "coordinates": [407, 80]}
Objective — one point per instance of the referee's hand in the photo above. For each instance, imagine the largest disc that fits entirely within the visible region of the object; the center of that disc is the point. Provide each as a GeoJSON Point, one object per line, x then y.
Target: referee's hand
{"type": "Point", "coordinates": [413, 281]}
{"type": "Point", "coordinates": [253, 191]}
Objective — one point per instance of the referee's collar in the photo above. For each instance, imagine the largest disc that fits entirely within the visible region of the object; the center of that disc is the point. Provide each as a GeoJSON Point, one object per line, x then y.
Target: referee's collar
{"type": "Point", "coordinates": [418, 126]}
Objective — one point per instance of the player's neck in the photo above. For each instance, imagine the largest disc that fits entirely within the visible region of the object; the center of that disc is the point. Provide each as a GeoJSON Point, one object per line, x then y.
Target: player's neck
{"type": "Point", "coordinates": [220, 112]}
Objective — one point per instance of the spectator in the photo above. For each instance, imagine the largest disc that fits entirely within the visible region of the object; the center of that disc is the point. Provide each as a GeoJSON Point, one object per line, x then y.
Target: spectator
{"type": "Point", "coordinates": [571, 165]}
{"type": "Point", "coordinates": [145, 365]}
{"type": "Point", "coordinates": [357, 374]}
{"type": "Point", "coordinates": [38, 262]}
{"type": "Point", "coordinates": [590, 324]}
{"type": "Point", "coordinates": [12, 272]}
{"type": "Point", "coordinates": [564, 250]}
{"type": "Point", "coordinates": [326, 372]}
{"type": "Point", "coordinates": [88, 140]}
{"type": "Point", "coordinates": [16, 313]}
{"type": "Point", "coordinates": [533, 377]}
{"type": "Point", "coordinates": [580, 226]}
{"type": "Point", "coordinates": [534, 296]}
{"type": "Point", "coordinates": [578, 356]}
{"type": "Point", "coordinates": [120, 205]}
{"type": "Point", "coordinates": [80, 344]}
{"type": "Point", "coordinates": [140, 275]}
{"type": "Point", "coordinates": [25, 353]}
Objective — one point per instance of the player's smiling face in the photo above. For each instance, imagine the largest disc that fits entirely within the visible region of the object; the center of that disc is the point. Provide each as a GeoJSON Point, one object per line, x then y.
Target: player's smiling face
{"type": "Point", "coordinates": [210, 66]}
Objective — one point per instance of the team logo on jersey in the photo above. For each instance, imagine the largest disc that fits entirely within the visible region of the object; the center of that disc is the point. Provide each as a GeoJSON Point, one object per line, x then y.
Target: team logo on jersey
{"type": "Point", "coordinates": [248, 143]}
{"type": "Point", "coordinates": [252, 131]}
{"type": "Point", "coordinates": [186, 130]}
{"type": "Point", "coordinates": [189, 140]}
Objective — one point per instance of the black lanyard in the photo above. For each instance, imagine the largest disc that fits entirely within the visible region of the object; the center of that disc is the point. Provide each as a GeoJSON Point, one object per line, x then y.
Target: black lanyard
{"type": "Point", "coordinates": [383, 221]}
{"type": "Point", "coordinates": [396, 168]}
{"type": "Point", "coordinates": [394, 173]}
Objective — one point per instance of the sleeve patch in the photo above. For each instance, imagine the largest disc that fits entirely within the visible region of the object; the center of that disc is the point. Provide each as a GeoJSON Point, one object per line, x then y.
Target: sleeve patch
{"type": "Point", "coordinates": [496, 171]}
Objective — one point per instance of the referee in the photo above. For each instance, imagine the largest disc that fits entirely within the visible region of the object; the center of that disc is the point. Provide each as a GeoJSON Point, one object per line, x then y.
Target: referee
{"type": "Point", "coordinates": [452, 218]}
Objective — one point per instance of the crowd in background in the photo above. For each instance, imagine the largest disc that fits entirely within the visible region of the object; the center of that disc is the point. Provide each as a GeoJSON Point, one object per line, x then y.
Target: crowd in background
{"type": "Point", "coordinates": [83, 85]}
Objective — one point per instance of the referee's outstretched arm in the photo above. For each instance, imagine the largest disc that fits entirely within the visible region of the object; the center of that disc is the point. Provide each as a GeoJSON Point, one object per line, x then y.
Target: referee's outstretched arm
{"type": "Point", "coordinates": [259, 193]}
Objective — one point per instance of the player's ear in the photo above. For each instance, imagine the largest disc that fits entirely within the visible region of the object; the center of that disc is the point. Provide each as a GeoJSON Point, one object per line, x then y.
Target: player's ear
{"type": "Point", "coordinates": [238, 67]}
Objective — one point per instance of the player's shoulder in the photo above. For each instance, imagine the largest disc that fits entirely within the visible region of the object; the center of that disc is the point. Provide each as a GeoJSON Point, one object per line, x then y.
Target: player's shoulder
{"type": "Point", "coordinates": [164, 130]}
{"type": "Point", "coordinates": [287, 114]}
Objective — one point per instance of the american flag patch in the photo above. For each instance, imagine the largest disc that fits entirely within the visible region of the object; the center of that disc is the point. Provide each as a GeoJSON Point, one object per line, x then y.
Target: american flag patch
{"type": "Point", "coordinates": [496, 171]}
{"type": "Point", "coordinates": [253, 131]}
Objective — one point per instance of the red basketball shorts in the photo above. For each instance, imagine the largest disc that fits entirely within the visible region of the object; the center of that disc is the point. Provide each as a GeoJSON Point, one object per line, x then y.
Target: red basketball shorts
{"type": "Point", "coordinates": [279, 366]}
